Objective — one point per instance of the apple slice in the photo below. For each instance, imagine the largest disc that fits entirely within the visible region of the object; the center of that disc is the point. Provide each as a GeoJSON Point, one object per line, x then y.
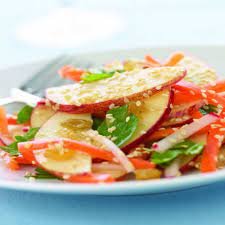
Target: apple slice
{"type": "Point", "coordinates": [62, 160]}
{"type": "Point", "coordinates": [66, 125]}
{"type": "Point", "coordinates": [116, 90]}
{"type": "Point", "coordinates": [151, 114]}
{"type": "Point", "coordinates": [40, 115]}
{"type": "Point", "coordinates": [197, 72]}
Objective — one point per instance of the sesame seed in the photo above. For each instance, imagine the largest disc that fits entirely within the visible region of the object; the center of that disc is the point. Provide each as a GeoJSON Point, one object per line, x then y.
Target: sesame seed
{"type": "Point", "coordinates": [171, 105]}
{"type": "Point", "coordinates": [211, 91]}
{"type": "Point", "coordinates": [204, 95]}
{"type": "Point", "coordinates": [222, 129]}
{"type": "Point", "coordinates": [214, 100]}
{"type": "Point", "coordinates": [127, 119]}
{"type": "Point", "coordinates": [192, 92]}
{"type": "Point", "coordinates": [111, 129]}
{"type": "Point", "coordinates": [33, 162]}
{"type": "Point", "coordinates": [112, 106]}
{"type": "Point", "coordinates": [113, 138]}
{"type": "Point", "coordinates": [158, 87]}
{"type": "Point", "coordinates": [221, 157]}
{"type": "Point", "coordinates": [138, 103]}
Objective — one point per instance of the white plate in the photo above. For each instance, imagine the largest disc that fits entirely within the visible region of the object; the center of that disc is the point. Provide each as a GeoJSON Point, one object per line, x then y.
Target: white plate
{"type": "Point", "coordinates": [11, 77]}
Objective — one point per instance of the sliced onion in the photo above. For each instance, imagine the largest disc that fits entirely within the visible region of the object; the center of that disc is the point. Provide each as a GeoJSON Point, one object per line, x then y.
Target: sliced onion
{"type": "Point", "coordinates": [117, 152]}
{"type": "Point", "coordinates": [107, 166]}
{"type": "Point", "coordinates": [173, 169]}
{"type": "Point", "coordinates": [184, 132]}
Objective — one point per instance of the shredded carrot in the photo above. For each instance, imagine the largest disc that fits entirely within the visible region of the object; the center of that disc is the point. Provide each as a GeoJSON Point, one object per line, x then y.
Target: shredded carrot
{"type": "Point", "coordinates": [71, 73]}
{"type": "Point", "coordinates": [3, 122]}
{"type": "Point", "coordinates": [174, 59]}
{"type": "Point", "coordinates": [153, 62]}
{"type": "Point", "coordinates": [219, 86]}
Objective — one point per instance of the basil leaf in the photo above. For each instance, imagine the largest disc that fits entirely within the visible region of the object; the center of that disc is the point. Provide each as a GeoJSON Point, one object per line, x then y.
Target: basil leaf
{"type": "Point", "coordinates": [24, 114]}
{"type": "Point", "coordinates": [40, 174]}
{"type": "Point", "coordinates": [184, 148]}
{"type": "Point", "coordinates": [206, 109]}
{"type": "Point", "coordinates": [12, 149]}
{"type": "Point", "coordinates": [119, 125]}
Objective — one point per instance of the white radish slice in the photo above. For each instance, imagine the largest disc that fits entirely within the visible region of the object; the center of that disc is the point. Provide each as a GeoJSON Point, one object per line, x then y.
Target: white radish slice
{"type": "Point", "coordinates": [117, 90]}
{"type": "Point", "coordinates": [118, 153]}
{"type": "Point", "coordinates": [173, 169]}
{"type": "Point", "coordinates": [63, 161]}
{"type": "Point", "coordinates": [184, 132]}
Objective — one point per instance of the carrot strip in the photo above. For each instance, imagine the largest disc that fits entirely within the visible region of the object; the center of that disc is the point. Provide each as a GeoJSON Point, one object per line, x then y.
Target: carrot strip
{"type": "Point", "coordinates": [153, 62]}
{"type": "Point", "coordinates": [159, 134]}
{"type": "Point", "coordinates": [91, 178]}
{"type": "Point", "coordinates": [3, 122]}
{"type": "Point", "coordinates": [71, 73]}
{"type": "Point", "coordinates": [141, 163]}
{"type": "Point", "coordinates": [219, 86]}
{"type": "Point", "coordinates": [174, 59]}
{"type": "Point", "coordinates": [211, 150]}
{"type": "Point", "coordinates": [27, 148]}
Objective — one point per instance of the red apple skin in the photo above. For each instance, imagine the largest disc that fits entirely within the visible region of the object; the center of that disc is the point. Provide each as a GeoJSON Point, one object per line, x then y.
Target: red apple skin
{"type": "Point", "coordinates": [176, 123]}
{"type": "Point", "coordinates": [104, 106]}
{"type": "Point", "coordinates": [153, 128]}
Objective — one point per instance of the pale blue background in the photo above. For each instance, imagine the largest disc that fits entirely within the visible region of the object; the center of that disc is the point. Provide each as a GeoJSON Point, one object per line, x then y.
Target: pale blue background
{"type": "Point", "coordinates": [146, 23]}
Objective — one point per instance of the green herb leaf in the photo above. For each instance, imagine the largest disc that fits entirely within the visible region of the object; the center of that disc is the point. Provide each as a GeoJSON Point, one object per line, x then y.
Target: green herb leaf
{"type": "Point", "coordinates": [28, 136]}
{"type": "Point", "coordinates": [96, 123]}
{"type": "Point", "coordinates": [206, 109]}
{"type": "Point", "coordinates": [40, 174]}
{"type": "Point", "coordinates": [24, 114]}
{"type": "Point", "coordinates": [184, 148]}
{"type": "Point", "coordinates": [119, 125]}
{"type": "Point", "coordinates": [12, 149]}
{"type": "Point", "coordinates": [91, 77]}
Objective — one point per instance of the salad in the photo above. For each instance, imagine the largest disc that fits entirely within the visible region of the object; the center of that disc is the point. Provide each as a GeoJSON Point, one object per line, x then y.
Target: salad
{"type": "Point", "coordinates": [139, 119]}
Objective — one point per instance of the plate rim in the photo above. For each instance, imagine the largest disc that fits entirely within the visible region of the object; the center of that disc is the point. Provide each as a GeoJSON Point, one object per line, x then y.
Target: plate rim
{"type": "Point", "coordinates": [123, 188]}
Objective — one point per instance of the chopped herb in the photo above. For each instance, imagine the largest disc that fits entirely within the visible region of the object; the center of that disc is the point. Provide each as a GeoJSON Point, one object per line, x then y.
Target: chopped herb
{"type": "Point", "coordinates": [184, 148]}
{"type": "Point", "coordinates": [91, 77]}
{"type": "Point", "coordinates": [96, 123]}
{"type": "Point", "coordinates": [116, 127]}
{"type": "Point", "coordinates": [24, 114]}
{"type": "Point", "coordinates": [40, 174]}
{"type": "Point", "coordinates": [12, 149]}
{"type": "Point", "coordinates": [206, 109]}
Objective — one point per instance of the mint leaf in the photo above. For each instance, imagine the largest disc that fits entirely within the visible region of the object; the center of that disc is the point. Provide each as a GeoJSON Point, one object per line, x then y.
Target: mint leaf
{"type": "Point", "coordinates": [28, 136]}
{"type": "Point", "coordinates": [119, 125]}
{"type": "Point", "coordinates": [24, 114]}
{"type": "Point", "coordinates": [206, 109]}
{"type": "Point", "coordinates": [40, 174]}
{"type": "Point", "coordinates": [12, 149]}
{"type": "Point", "coordinates": [184, 148]}
{"type": "Point", "coordinates": [91, 77]}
